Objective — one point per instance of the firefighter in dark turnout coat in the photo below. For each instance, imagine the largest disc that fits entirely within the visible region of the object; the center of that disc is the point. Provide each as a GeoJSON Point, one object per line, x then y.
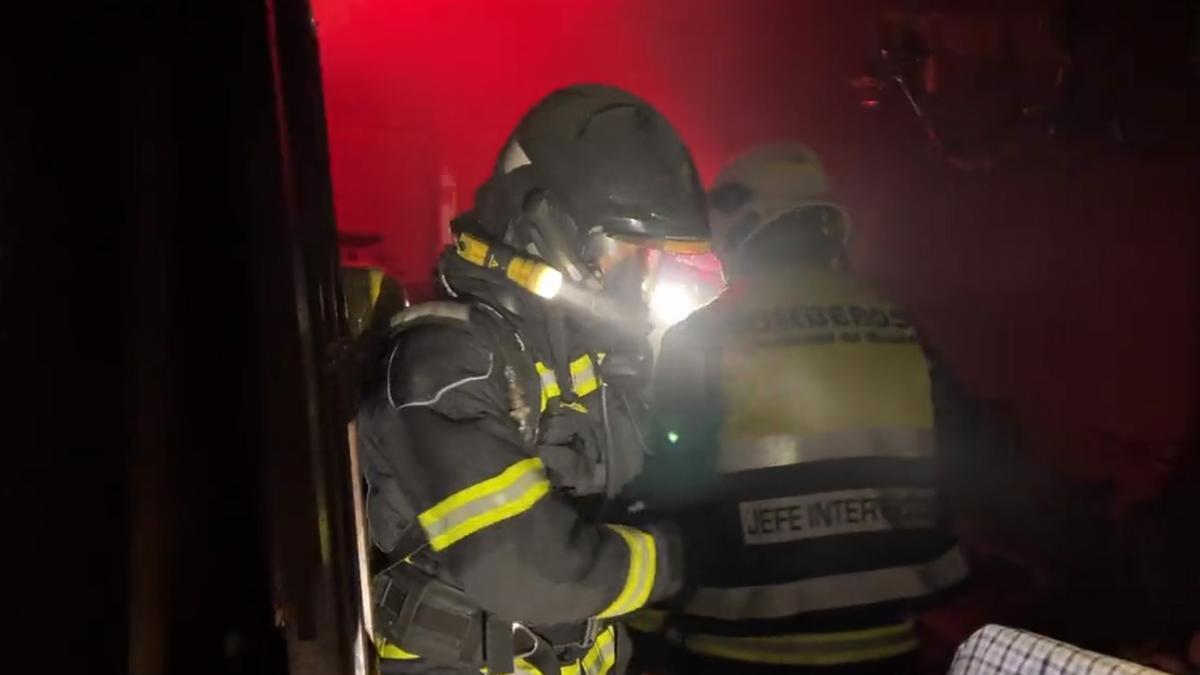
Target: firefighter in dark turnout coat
{"type": "Point", "coordinates": [504, 418]}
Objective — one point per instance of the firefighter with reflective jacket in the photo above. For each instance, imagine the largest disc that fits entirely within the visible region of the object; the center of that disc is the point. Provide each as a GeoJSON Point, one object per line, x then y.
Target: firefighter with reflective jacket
{"type": "Point", "coordinates": [797, 426]}
{"type": "Point", "coordinates": [506, 417]}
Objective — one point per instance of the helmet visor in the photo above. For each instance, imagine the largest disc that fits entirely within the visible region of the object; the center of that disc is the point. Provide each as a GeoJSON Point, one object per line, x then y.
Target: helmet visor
{"type": "Point", "coordinates": [623, 266]}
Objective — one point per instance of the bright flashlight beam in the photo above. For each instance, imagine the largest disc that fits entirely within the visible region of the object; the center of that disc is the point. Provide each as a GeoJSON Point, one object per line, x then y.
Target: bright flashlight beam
{"type": "Point", "coordinates": [671, 303]}
{"type": "Point", "coordinates": [548, 283]}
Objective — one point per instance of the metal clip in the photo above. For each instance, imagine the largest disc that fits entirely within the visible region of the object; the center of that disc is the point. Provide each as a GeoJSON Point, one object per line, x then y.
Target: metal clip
{"type": "Point", "coordinates": [533, 638]}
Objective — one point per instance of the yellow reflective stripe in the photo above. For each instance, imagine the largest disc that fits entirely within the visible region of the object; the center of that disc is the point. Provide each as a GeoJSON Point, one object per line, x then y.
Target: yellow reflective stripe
{"type": "Point", "coordinates": [484, 504]}
{"type": "Point", "coordinates": [583, 376]}
{"type": "Point", "coordinates": [813, 649]}
{"type": "Point", "coordinates": [643, 562]}
{"type": "Point", "coordinates": [583, 380]}
{"type": "Point", "coordinates": [388, 650]}
{"type": "Point", "coordinates": [549, 383]}
{"type": "Point", "coordinates": [646, 620]}
{"type": "Point", "coordinates": [601, 657]}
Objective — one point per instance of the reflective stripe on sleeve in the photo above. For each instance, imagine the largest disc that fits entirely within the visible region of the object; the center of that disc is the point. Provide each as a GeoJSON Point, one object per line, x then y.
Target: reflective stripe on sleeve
{"type": "Point", "coordinates": [810, 649]}
{"type": "Point", "coordinates": [643, 562]}
{"type": "Point", "coordinates": [486, 503]}
{"type": "Point", "coordinates": [836, 591]}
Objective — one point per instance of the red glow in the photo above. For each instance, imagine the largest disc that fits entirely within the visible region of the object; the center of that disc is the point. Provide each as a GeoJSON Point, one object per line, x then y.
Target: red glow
{"type": "Point", "coordinates": [417, 90]}
{"type": "Point", "coordinates": [1068, 290]}
{"type": "Point", "coordinates": [420, 96]}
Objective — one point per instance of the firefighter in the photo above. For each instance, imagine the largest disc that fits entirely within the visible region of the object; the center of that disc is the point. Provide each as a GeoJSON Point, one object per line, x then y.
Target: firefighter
{"type": "Point", "coordinates": [505, 417]}
{"type": "Point", "coordinates": [796, 446]}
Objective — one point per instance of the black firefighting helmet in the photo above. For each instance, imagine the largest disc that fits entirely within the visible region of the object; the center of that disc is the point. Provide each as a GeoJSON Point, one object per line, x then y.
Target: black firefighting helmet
{"type": "Point", "coordinates": [587, 166]}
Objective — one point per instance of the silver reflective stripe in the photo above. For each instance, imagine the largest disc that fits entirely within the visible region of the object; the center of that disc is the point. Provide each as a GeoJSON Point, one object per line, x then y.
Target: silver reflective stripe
{"type": "Point", "coordinates": [583, 379]}
{"type": "Point", "coordinates": [832, 592]}
{"type": "Point", "coordinates": [809, 644]}
{"type": "Point", "coordinates": [643, 566]}
{"type": "Point", "coordinates": [788, 449]}
{"type": "Point", "coordinates": [809, 649]}
{"type": "Point", "coordinates": [549, 384]}
{"type": "Point", "coordinates": [484, 504]}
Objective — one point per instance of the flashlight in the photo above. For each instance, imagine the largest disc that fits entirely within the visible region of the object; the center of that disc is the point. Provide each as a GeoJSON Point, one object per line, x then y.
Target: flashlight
{"type": "Point", "coordinates": [671, 303]}
{"type": "Point", "coordinates": [533, 275]}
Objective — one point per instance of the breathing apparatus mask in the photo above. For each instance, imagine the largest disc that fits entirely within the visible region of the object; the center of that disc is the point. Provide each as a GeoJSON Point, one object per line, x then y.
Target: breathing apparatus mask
{"type": "Point", "coordinates": [597, 292]}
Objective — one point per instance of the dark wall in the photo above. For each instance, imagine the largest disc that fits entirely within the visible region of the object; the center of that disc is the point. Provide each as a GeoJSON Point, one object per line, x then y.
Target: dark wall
{"type": "Point", "coordinates": [166, 286]}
